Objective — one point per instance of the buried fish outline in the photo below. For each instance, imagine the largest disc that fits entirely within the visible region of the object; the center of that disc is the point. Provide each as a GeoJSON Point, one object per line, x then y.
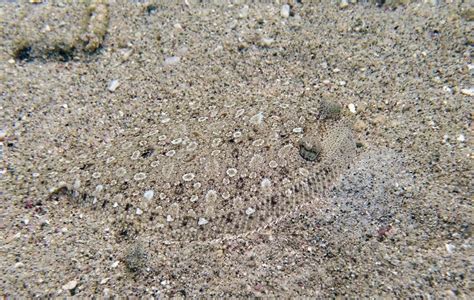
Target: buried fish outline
{"type": "Point", "coordinates": [183, 202]}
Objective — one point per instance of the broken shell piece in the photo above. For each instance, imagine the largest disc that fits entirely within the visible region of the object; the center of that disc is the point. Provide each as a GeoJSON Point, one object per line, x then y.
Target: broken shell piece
{"type": "Point", "coordinates": [113, 85]}
{"type": "Point", "coordinates": [202, 221]}
{"type": "Point", "coordinates": [148, 195]}
{"type": "Point", "coordinates": [266, 183]}
{"type": "Point", "coordinates": [352, 108]}
{"type": "Point", "coordinates": [171, 60]}
{"type": "Point", "coordinates": [257, 119]}
{"type": "Point", "coordinates": [468, 92]}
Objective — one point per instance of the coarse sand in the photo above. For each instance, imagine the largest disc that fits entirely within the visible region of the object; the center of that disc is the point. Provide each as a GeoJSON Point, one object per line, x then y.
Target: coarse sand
{"type": "Point", "coordinates": [233, 149]}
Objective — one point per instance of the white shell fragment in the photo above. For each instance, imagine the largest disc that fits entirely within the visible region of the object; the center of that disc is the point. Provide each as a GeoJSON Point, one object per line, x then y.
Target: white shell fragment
{"type": "Point", "coordinates": [257, 119]}
{"type": "Point", "coordinates": [352, 108]}
{"type": "Point", "coordinates": [202, 221]}
{"type": "Point", "coordinates": [172, 60]}
{"type": "Point", "coordinates": [285, 11]}
{"type": "Point", "coordinates": [298, 130]}
{"type": "Point", "coordinates": [70, 285]}
{"type": "Point", "coordinates": [266, 183]}
{"type": "Point", "coordinates": [249, 211]}
{"type": "Point", "coordinates": [468, 92]}
{"type": "Point", "coordinates": [148, 195]}
{"type": "Point", "coordinates": [113, 85]}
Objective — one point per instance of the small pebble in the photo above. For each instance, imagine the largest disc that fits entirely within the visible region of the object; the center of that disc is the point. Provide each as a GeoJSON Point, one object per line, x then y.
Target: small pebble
{"type": "Point", "coordinates": [244, 12]}
{"type": "Point", "coordinates": [352, 108]}
{"type": "Point", "coordinates": [267, 42]}
{"type": "Point", "coordinates": [115, 264]}
{"type": "Point", "coordinates": [113, 85]}
{"type": "Point", "coordinates": [468, 92]}
{"type": "Point", "coordinates": [249, 211]}
{"type": "Point", "coordinates": [139, 211]}
{"type": "Point", "coordinates": [126, 53]}
{"type": "Point", "coordinates": [202, 221]}
{"type": "Point", "coordinates": [285, 11]}
{"type": "Point", "coordinates": [344, 4]}
{"type": "Point", "coordinates": [461, 138]}
{"type": "Point", "coordinates": [450, 248]}
{"type": "Point", "coordinates": [303, 172]}
{"type": "Point", "coordinates": [447, 89]}
{"type": "Point", "coordinates": [99, 188]}
{"type": "Point", "coordinates": [298, 130]}
{"type": "Point", "coordinates": [257, 119]}
{"type": "Point", "coordinates": [266, 183]}
{"type": "Point", "coordinates": [148, 195]}
{"type": "Point", "coordinates": [172, 60]}
{"type": "Point", "coordinates": [70, 285]}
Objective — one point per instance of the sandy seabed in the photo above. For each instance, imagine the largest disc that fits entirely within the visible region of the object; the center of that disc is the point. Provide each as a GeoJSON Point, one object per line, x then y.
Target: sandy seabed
{"type": "Point", "coordinates": [236, 150]}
